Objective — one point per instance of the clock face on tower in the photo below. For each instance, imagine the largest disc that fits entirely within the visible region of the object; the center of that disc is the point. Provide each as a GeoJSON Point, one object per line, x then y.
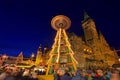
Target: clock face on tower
{"type": "Point", "coordinates": [60, 21]}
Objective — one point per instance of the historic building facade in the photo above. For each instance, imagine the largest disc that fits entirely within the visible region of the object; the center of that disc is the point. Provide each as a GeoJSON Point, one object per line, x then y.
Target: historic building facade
{"type": "Point", "coordinates": [91, 50]}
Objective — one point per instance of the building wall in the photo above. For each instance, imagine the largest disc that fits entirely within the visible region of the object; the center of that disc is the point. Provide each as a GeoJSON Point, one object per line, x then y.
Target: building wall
{"type": "Point", "coordinates": [92, 51]}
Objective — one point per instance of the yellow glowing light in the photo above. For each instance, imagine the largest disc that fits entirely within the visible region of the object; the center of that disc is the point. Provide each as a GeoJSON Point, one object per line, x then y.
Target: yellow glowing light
{"type": "Point", "coordinates": [69, 46]}
{"type": "Point", "coordinates": [32, 55]}
{"type": "Point", "coordinates": [59, 46]}
{"type": "Point", "coordinates": [90, 51]}
{"type": "Point", "coordinates": [84, 49]}
{"type": "Point", "coordinates": [87, 50]}
{"type": "Point", "coordinates": [53, 47]}
{"type": "Point", "coordinates": [50, 58]}
{"type": "Point", "coordinates": [119, 59]}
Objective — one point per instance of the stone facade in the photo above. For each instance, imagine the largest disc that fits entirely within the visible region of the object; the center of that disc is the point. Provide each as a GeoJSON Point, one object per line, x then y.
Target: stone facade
{"type": "Point", "coordinates": [91, 50]}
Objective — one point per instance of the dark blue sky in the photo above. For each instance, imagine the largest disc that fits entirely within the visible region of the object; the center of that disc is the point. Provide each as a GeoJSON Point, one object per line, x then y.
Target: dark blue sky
{"type": "Point", "coordinates": [24, 24]}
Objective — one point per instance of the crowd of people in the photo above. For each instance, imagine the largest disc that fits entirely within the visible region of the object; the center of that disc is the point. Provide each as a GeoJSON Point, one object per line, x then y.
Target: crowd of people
{"type": "Point", "coordinates": [99, 74]}
{"type": "Point", "coordinates": [60, 74]}
{"type": "Point", "coordinates": [18, 74]}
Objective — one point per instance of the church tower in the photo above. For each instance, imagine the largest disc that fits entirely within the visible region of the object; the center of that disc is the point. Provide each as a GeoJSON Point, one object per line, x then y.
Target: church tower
{"type": "Point", "coordinates": [91, 36]}
{"type": "Point", "coordinates": [90, 31]}
{"type": "Point", "coordinates": [39, 55]}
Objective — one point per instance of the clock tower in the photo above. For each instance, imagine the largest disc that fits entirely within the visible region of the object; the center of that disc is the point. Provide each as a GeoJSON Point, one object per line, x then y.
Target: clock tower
{"type": "Point", "coordinates": [91, 36]}
{"type": "Point", "coordinates": [90, 31]}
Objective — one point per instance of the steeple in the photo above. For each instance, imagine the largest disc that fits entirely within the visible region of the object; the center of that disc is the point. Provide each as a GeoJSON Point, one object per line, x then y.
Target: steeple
{"type": "Point", "coordinates": [46, 48]}
{"type": "Point", "coordinates": [46, 45]}
{"type": "Point", "coordinates": [40, 47]}
{"type": "Point", "coordinates": [86, 17]}
{"type": "Point", "coordinates": [19, 58]}
{"type": "Point", "coordinates": [38, 56]}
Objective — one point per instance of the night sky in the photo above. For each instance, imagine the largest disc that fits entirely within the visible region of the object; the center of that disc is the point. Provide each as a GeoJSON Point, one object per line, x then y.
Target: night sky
{"type": "Point", "coordinates": [25, 24]}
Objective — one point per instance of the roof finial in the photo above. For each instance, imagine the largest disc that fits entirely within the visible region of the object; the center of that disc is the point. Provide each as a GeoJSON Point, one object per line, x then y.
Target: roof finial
{"type": "Point", "coordinates": [86, 16]}
{"type": "Point", "coordinates": [40, 46]}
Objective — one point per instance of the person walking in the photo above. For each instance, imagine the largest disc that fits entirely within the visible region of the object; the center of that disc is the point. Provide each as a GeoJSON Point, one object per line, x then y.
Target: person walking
{"type": "Point", "coordinates": [78, 76]}
{"type": "Point", "coordinates": [63, 75]}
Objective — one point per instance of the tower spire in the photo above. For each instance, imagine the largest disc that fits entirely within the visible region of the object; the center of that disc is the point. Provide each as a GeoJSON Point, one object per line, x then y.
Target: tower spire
{"type": "Point", "coordinates": [40, 47]}
{"type": "Point", "coordinates": [38, 56]}
{"type": "Point", "coordinates": [19, 58]}
{"type": "Point", "coordinates": [46, 48]}
{"type": "Point", "coordinates": [86, 16]}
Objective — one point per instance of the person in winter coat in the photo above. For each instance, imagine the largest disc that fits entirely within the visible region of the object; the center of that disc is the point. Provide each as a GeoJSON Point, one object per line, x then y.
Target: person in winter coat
{"type": "Point", "coordinates": [56, 76]}
{"type": "Point", "coordinates": [78, 76]}
{"type": "Point", "coordinates": [34, 76]}
{"type": "Point", "coordinates": [63, 75]}
{"type": "Point", "coordinates": [25, 75]}
{"type": "Point", "coordinates": [3, 76]}
{"type": "Point", "coordinates": [115, 76]}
